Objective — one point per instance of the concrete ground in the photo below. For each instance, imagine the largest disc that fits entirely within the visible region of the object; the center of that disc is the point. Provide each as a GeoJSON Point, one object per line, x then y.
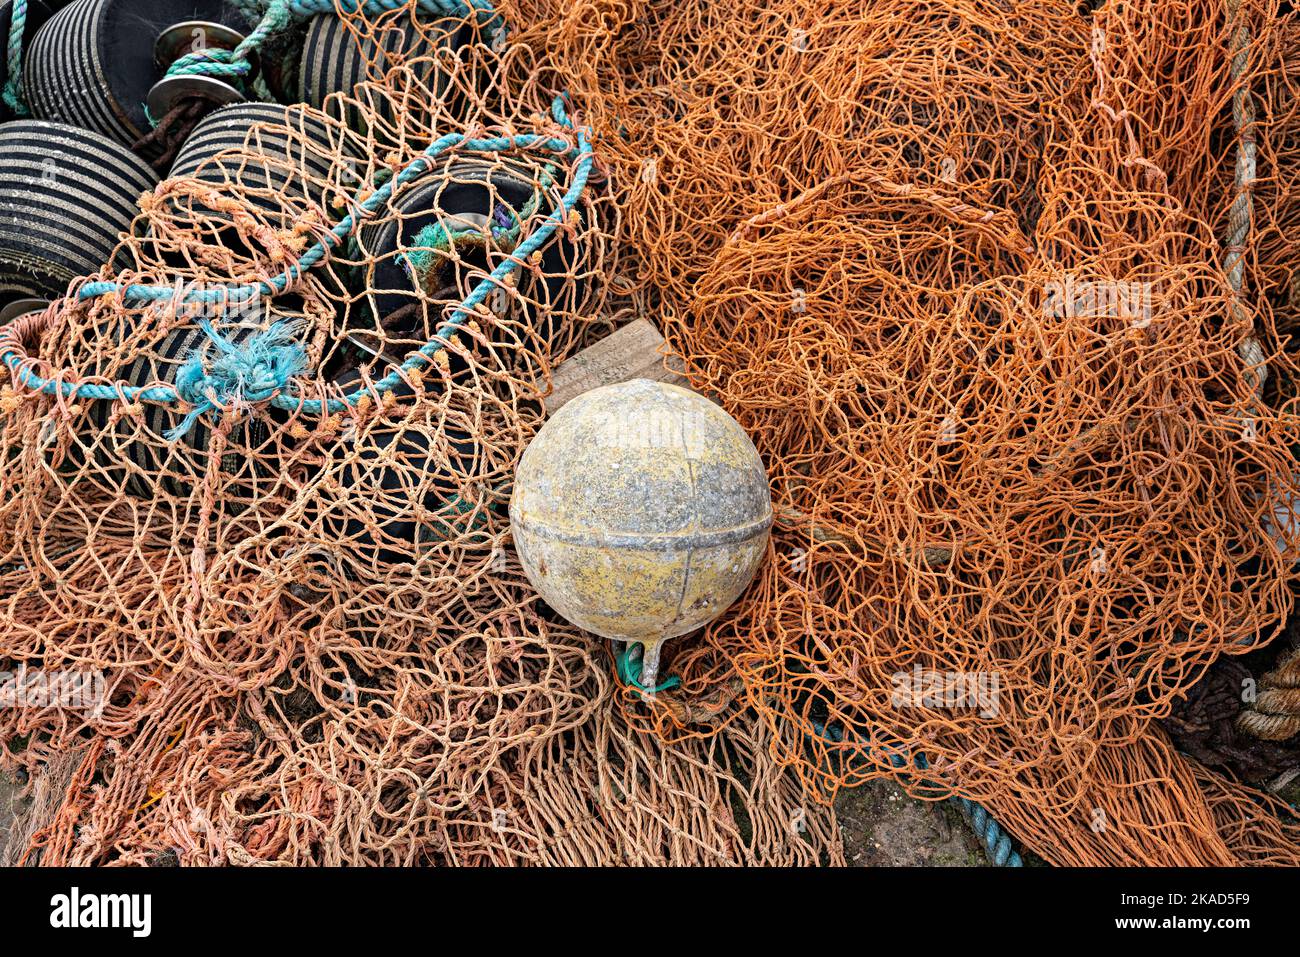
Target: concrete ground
{"type": "Point", "coordinates": [12, 809]}
{"type": "Point", "coordinates": [883, 827]}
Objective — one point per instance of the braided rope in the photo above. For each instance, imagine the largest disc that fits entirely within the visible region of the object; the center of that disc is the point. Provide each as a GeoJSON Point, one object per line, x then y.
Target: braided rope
{"type": "Point", "coordinates": [13, 89]}
{"type": "Point", "coordinates": [1241, 215]}
{"type": "Point", "coordinates": [997, 842]}
{"type": "Point", "coordinates": [1274, 715]}
{"type": "Point", "coordinates": [1240, 219]}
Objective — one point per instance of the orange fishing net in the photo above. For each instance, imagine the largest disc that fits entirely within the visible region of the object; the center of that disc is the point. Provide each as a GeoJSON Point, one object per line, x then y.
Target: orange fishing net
{"type": "Point", "coordinates": [959, 269]}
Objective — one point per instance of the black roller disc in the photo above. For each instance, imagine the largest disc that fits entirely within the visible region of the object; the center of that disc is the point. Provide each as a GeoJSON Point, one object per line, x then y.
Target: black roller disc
{"type": "Point", "coordinates": [334, 60]}
{"type": "Point", "coordinates": [392, 493]}
{"type": "Point", "coordinates": [12, 296]}
{"type": "Point", "coordinates": [65, 195]}
{"type": "Point", "coordinates": [309, 145]}
{"type": "Point", "coordinates": [466, 192]}
{"type": "Point", "coordinates": [92, 64]}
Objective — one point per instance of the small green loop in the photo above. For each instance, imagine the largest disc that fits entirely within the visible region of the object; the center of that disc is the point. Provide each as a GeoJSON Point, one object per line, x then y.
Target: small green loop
{"type": "Point", "coordinates": [629, 672]}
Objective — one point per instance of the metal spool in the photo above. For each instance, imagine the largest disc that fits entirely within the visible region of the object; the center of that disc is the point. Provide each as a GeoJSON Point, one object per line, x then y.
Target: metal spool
{"type": "Point", "coordinates": [177, 41]}
{"type": "Point", "coordinates": [20, 306]}
{"type": "Point", "coordinates": [18, 299]}
{"type": "Point", "coordinates": [92, 65]}
{"type": "Point", "coordinates": [38, 12]}
{"type": "Point", "coordinates": [335, 60]}
{"type": "Point", "coordinates": [307, 144]}
{"type": "Point", "coordinates": [65, 195]}
{"type": "Point", "coordinates": [467, 193]}
{"type": "Point", "coordinates": [389, 493]}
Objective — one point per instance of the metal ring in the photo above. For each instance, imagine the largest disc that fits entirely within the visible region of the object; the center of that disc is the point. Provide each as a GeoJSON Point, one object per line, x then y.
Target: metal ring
{"type": "Point", "coordinates": [170, 90]}
{"type": "Point", "coordinates": [21, 307]}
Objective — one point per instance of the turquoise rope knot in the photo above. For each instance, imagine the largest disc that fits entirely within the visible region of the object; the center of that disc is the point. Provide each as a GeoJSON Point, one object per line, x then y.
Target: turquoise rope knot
{"type": "Point", "coordinates": [241, 373]}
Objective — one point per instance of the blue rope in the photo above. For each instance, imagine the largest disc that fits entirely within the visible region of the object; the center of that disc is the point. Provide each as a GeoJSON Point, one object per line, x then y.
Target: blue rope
{"type": "Point", "coordinates": [234, 65]}
{"type": "Point", "coordinates": [997, 842]}
{"type": "Point", "coordinates": [245, 372]}
{"type": "Point", "coordinates": [231, 379]}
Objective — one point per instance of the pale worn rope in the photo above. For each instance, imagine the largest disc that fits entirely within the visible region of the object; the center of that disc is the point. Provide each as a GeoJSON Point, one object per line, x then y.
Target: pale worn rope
{"type": "Point", "coordinates": [1241, 216]}
{"type": "Point", "coordinates": [1274, 715]}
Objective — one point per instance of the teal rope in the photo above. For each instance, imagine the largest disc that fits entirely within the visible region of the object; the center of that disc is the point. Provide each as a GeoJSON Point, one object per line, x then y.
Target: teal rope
{"type": "Point", "coordinates": [13, 90]}
{"type": "Point", "coordinates": [997, 842]}
{"type": "Point", "coordinates": [244, 372]}
{"type": "Point", "coordinates": [629, 672]}
{"type": "Point", "coordinates": [285, 399]}
{"type": "Point", "coordinates": [233, 66]}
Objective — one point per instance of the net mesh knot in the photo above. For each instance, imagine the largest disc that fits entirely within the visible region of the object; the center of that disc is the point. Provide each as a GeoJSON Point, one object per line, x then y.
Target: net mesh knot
{"type": "Point", "coordinates": [223, 374]}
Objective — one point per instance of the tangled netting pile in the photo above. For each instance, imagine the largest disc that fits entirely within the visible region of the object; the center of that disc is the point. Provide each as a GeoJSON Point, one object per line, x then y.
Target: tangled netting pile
{"type": "Point", "coordinates": [877, 232]}
{"type": "Point", "coordinates": [295, 674]}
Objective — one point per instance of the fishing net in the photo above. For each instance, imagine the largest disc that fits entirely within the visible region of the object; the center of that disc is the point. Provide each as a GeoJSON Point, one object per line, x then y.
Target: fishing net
{"type": "Point", "coordinates": [318, 644]}
{"type": "Point", "coordinates": [973, 277]}
{"type": "Point", "coordinates": [990, 284]}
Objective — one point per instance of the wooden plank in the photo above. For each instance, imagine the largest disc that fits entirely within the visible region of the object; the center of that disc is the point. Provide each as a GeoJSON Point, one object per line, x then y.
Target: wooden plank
{"type": "Point", "coordinates": [633, 351]}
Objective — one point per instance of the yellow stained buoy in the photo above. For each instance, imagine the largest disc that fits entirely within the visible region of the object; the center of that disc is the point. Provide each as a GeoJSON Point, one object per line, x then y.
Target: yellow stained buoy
{"type": "Point", "coordinates": [640, 512]}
